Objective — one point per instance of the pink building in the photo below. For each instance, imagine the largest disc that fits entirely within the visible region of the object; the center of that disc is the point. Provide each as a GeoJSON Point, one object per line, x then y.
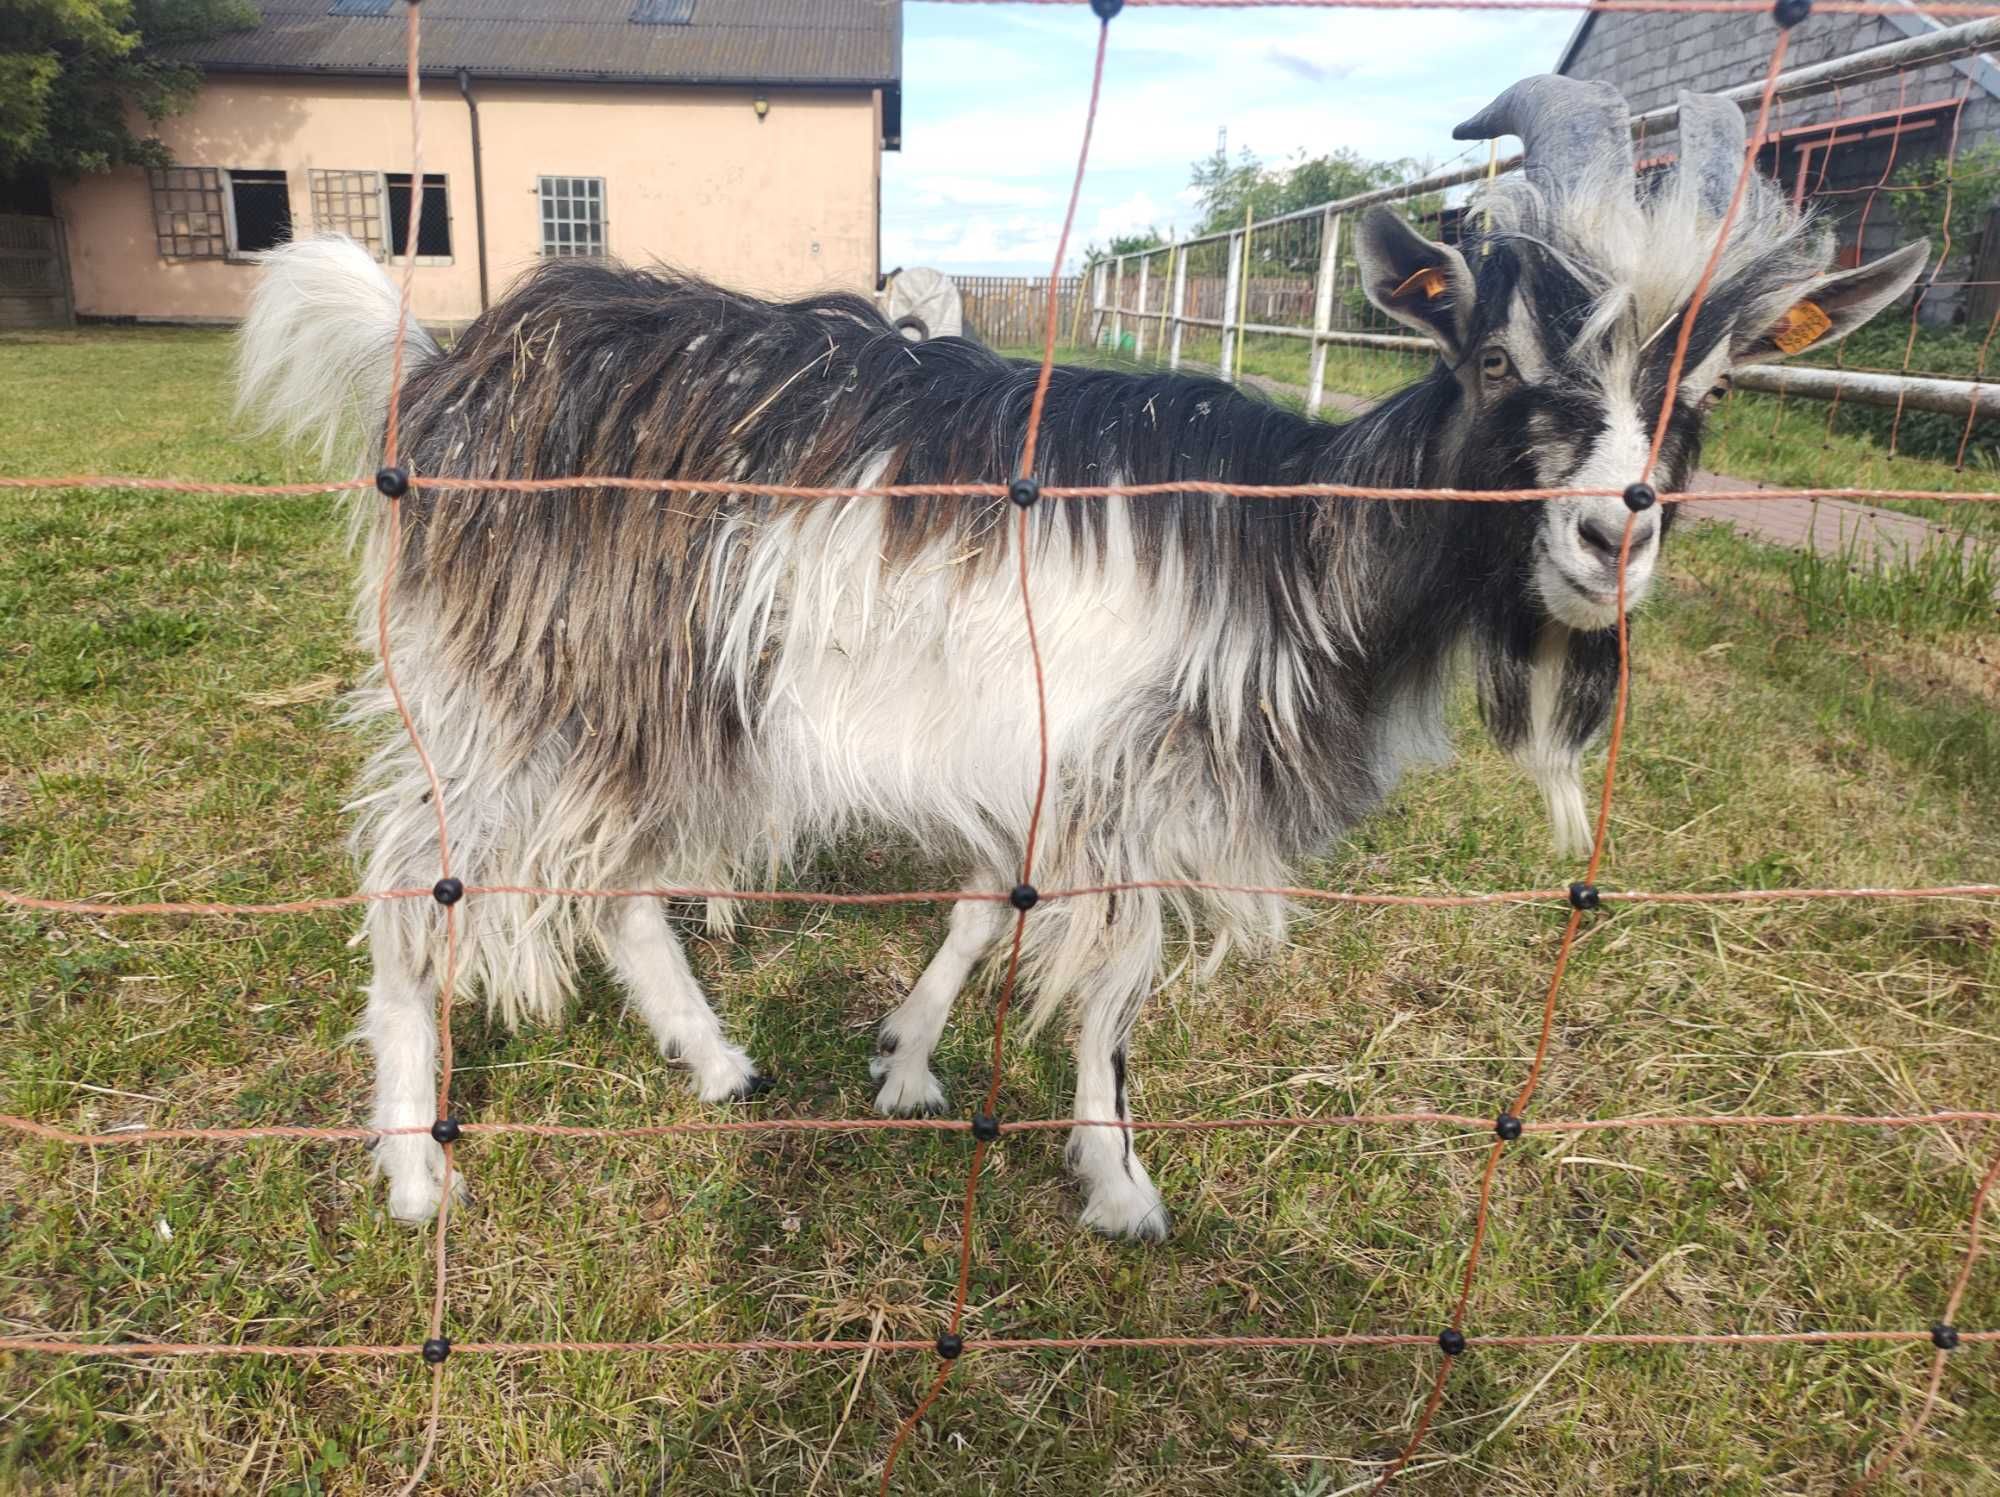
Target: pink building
{"type": "Point", "coordinates": [739, 139]}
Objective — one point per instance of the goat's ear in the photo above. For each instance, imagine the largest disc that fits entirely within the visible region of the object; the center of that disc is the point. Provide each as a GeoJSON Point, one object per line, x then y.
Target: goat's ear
{"type": "Point", "coordinates": [1832, 307]}
{"type": "Point", "coordinates": [1422, 285]}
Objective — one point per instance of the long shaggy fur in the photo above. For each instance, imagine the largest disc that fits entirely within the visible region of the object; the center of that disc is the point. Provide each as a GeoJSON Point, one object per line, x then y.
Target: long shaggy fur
{"type": "Point", "coordinates": [622, 688]}
{"type": "Point", "coordinates": [691, 690]}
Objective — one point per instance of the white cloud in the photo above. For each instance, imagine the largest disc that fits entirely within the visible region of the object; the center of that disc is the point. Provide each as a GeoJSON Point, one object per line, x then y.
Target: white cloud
{"type": "Point", "coordinates": [1127, 216]}
{"type": "Point", "coordinates": [995, 98]}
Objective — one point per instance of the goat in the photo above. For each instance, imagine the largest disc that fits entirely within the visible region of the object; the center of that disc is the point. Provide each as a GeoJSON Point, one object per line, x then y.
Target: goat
{"type": "Point", "coordinates": [624, 688]}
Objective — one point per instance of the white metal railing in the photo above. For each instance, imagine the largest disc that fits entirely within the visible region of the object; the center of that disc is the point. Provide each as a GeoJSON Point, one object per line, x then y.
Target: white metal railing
{"type": "Point", "coordinates": [1119, 296]}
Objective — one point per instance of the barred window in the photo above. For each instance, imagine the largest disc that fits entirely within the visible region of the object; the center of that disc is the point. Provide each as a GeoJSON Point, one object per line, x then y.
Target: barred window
{"type": "Point", "coordinates": [373, 208]}
{"type": "Point", "coordinates": [433, 219]}
{"type": "Point", "coordinates": [572, 215]}
{"type": "Point", "coordinates": [259, 207]}
{"type": "Point", "coordinates": [188, 220]}
{"type": "Point", "coordinates": [350, 203]}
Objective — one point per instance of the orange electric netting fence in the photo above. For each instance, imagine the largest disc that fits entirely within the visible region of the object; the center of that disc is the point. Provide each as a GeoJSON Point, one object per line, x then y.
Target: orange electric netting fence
{"type": "Point", "coordinates": [1453, 1340]}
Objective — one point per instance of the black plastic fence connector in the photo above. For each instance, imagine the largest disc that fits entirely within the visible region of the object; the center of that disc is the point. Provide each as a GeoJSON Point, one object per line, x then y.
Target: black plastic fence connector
{"type": "Point", "coordinates": [1789, 13]}
{"type": "Point", "coordinates": [1024, 897]}
{"type": "Point", "coordinates": [1024, 492]}
{"type": "Point", "coordinates": [1584, 896]}
{"type": "Point", "coordinates": [1640, 497]}
{"type": "Point", "coordinates": [1106, 9]}
{"type": "Point", "coordinates": [437, 1349]}
{"type": "Point", "coordinates": [392, 482]}
{"type": "Point", "coordinates": [985, 1127]}
{"type": "Point", "coordinates": [1944, 1337]}
{"type": "Point", "coordinates": [445, 1130]}
{"type": "Point", "coordinates": [949, 1344]}
{"type": "Point", "coordinates": [1451, 1341]}
{"type": "Point", "coordinates": [447, 891]}
{"type": "Point", "coordinates": [1507, 1127]}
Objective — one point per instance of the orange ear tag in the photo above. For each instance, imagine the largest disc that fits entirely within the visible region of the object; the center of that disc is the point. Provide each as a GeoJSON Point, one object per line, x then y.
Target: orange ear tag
{"type": "Point", "coordinates": [1801, 327]}
{"type": "Point", "coordinates": [1429, 280]}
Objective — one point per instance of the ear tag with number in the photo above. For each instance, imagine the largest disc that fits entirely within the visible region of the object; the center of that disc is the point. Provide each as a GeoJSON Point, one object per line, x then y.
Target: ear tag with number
{"type": "Point", "coordinates": [1801, 327]}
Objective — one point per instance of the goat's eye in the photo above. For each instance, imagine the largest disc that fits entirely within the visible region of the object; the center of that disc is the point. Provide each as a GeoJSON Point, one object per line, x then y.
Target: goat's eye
{"type": "Point", "coordinates": [1494, 363]}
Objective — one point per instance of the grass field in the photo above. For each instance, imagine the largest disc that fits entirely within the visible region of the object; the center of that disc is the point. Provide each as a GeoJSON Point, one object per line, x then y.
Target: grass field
{"type": "Point", "coordinates": [168, 692]}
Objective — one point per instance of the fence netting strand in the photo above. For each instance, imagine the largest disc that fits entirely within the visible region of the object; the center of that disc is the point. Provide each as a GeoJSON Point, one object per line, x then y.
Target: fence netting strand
{"type": "Point", "coordinates": [1454, 1337]}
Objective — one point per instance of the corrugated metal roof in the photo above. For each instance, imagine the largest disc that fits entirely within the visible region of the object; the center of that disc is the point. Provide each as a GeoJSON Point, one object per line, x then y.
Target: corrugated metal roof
{"type": "Point", "coordinates": [836, 42]}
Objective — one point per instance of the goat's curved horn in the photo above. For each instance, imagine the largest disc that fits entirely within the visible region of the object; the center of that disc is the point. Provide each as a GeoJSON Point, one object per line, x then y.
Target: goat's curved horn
{"type": "Point", "coordinates": [1714, 138]}
{"type": "Point", "coordinates": [1566, 125]}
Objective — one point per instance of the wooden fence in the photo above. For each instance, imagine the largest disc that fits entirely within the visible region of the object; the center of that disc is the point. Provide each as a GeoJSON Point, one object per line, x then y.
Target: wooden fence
{"type": "Point", "coordinates": [1011, 311]}
{"type": "Point", "coordinates": [34, 273]}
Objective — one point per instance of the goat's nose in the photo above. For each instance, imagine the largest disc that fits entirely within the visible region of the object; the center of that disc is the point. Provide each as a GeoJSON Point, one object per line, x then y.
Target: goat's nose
{"type": "Point", "coordinates": [1605, 538]}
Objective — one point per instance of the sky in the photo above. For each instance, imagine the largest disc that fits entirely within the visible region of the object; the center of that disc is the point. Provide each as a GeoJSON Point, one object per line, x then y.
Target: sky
{"type": "Point", "coordinates": [994, 99]}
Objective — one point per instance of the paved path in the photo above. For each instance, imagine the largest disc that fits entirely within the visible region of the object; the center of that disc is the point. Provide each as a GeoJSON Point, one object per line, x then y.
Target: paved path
{"type": "Point", "coordinates": [1829, 527]}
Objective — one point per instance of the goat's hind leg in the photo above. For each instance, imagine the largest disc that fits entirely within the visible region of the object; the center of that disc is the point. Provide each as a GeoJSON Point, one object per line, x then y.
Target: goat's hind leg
{"type": "Point", "coordinates": [649, 961]}
{"type": "Point", "coordinates": [400, 1025]}
{"type": "Point", "coordinates": [907, 1037]}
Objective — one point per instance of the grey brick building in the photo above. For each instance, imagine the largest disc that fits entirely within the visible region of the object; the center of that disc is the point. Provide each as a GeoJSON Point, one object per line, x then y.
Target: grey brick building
{"type": "Point", "coordinates": [1833, 148]}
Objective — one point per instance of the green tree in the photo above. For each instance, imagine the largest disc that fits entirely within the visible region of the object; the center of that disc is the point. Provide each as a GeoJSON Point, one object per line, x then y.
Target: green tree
{"type": "Point", "coordinates": [1971, 194]}
{"type": "Point", "coordinates": [1226, 188]}
{"type": "Point", "coordinates": [1147, 238]}
{"type": "Point", "coordinates": [74, 74]}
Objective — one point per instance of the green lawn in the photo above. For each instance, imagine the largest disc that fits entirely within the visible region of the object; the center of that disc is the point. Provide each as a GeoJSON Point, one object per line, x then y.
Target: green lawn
{"type": "Point", "coordinates": [168, 729]}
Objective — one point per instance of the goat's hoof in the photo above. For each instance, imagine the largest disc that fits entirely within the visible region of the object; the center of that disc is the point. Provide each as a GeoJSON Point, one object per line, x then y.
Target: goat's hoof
{"type": "Point", "coordinates": [728, 1076]}
{"type": "Point", "coordinates": [414, 1201]}
{"type": "Point", "coordinates": [907, 1091]}
{"type": "Point", "coordinates": [755, 1086]}
{"type": "Point", "coordinates": [1128, 1210]}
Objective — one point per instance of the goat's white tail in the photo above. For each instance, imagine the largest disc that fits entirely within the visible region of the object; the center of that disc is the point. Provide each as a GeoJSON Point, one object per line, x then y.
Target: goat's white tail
{"type": "Point", "coordinates": [313, 353]}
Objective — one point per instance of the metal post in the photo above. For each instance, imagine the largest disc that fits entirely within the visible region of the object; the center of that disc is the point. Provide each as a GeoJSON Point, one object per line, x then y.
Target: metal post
{"type": "Point", "coordinates": [1179, 309]}
{"type": "Point", "coordinates": [1329, 261]}
{"type": "Point", "coordinates": [1118, 304]}
{"type": "Point", "coordinates": [1139, 322]}
{"type": "Point", "coordinates": [1229, 285]}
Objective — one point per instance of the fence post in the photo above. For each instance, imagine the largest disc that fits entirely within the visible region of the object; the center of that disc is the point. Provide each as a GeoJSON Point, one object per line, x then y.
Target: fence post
{"type": "Point", "coordinates": [1139, 322]}
{"type": "Point", "coordinates": [1117, 304]}
{"type": "Point", "coordinates": [1178, 309]}
{"type": "Point", "coordinates": [1329, 262]}
{"type": "Point", "coordinates": [1231, 281]}
{"type": "Point", "coordinates": [1098, 274]}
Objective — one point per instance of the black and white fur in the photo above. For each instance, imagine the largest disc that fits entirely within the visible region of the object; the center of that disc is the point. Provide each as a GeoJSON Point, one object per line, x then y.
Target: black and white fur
{"type": "Point", "coordinates": [650, 689]}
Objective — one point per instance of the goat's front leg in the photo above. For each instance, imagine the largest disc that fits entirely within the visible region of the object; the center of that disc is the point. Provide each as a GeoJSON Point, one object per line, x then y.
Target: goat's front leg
{"type": "Point", "coordinates": [647, 957]}
{"type": "Point", "coordinates": [904, 1044]}
{"type": "Point", "coordinates": [1119, 1197]}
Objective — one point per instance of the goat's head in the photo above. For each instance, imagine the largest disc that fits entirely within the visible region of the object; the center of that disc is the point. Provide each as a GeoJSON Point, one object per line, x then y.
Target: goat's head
{"type": "Point", "coordinates": [1558, 315]}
